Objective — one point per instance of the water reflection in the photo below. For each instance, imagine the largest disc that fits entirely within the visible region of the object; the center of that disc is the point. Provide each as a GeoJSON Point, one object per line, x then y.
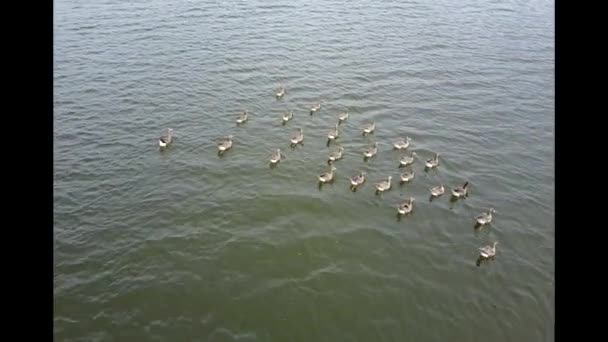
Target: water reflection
{"type": "Point", "coordinates": [481, 260]}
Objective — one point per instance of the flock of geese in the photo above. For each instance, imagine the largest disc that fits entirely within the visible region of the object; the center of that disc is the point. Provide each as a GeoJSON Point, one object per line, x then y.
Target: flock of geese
{"type": "Point", "coordinates": [403, 208]}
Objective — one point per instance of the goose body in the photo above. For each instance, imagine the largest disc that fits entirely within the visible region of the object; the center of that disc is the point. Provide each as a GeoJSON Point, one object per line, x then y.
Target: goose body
{"type": "Point", "coordinates": [461, 191]}
{"type": "Point", "coordinates": [406, 206]}
{"type": "Point", "coordinates": [315, 108]}
{"type": "Point", "coordinates": [357, 180]}
{"type": "Point", "coordinates": [485, 218]}
{"type": "Point", "coordinates": [327, 176]}
{"type": "Point", "coordinates": [244, 116]}
{"type": "Point", "coordinates": [369, 128]}
{"type": "Point", "coordinates": [433, 162]}
{"type": "Point", "coordinates": [287, 116]}
{"type": "Point", "coordinates": [276, 156]}
{"type": "Point", "coordinates": [297, 137]}
{"type": "Point", "coordinates": [407, 160]}
{"type": "Point", "coordinates": [488, 251]}
{"type": "Point", "coordinates": [166, 139]}
{"type": "Point", "coordinates": [384, 185]}
{"type": "Point", "coordinates": [371, 151]}
{"type": "Point", "coordinates": [407, 176]}
{"type": "Point", "coordinates": [342, 117]}
{"type": "Point", "coordinates": [402, 144]}
{"type": "Point", "coordinates": [336, 155]}
{"type": "Point", "coordinates": [225, 144]}
{"type": "Point", "coordinates": [333, 133]}
{"type": "Point", "coordinates": [437, 190]}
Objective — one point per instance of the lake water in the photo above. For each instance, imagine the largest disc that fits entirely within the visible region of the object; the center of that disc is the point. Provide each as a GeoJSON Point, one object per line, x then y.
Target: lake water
{"type": "Point", "coordinates": [183, 245]}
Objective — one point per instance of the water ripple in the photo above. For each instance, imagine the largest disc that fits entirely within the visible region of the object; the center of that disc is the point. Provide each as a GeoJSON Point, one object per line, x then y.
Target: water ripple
{"type": "Point", "coordinates": [183, 244]}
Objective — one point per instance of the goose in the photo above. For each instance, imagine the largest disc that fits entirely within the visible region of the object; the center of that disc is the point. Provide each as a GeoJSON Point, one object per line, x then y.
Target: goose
{"type": "Point", "coordinates": [287, 116]}
{"type": "Point", "coordinates": [402, 144]}
{"type": "Point", "coordinates": [315, 108]}
{"type": "Point", "coordinates": [327, 176]}
{"type": "Point", "coordinates": [225, 144]}
{"type": "Point", "coordinates": [406, 206]}
{"type": "Point", "coordinates": [336, 155]}
{"type": "Point", "coordinates": [244, 116]}
{"type": "Point", "coordinates": [166, 139]}
{"type": "Point", "coordinates": [371, 151]}
{"type": "Point", "coordinates": [297, 137]}
{"type": "Point", "coordinates": [342, 117]}
{"type": "Point", "coordinates": [407, 160]}
{"type": "Point", "coordinates": [407, 176]}
{"type": "Point", "coordinates": [369, 128]}
{"type": "Point", "coordinates": [437, 190]}
{"type": "Point", "coordinates": [433, 162]}
{"type": "Point", "coordinates": [488, 251]}
{"type": "Point", "coordinates": [281, 92]}
{"type": "Point", "coordinates": [276, 156]}
{"type": "Point", "coordinates": [333, 133]}
{"type": "Point", "coordinates": [461, 191]}
{"type": "Point", "coordinates": [357, 180]}
{"type": "Point", "coordinates": [485, 218]}
{"type": "Point", "coordinates": [384, 185]}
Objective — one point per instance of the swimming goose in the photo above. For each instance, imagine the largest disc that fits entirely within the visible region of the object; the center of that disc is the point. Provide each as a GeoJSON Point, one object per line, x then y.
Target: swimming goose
{"type": "Point", "coordinates": [488, 251]}
{"type": "Point", "coordinates": [276, 156]}
{"type": "Point", "coordinates": [407, 160]}
{"type": "Point", "coordinates": [297, 137]}
{"type": "Point", "coordinates": [384, 185]}
{"type": "Point", "coordinates": [287, 116]}
{"type": "Point", "coordinates": [333, 133]}
{"type": "Point", "coordinates": [371, 151]}
{"type": "Point", "coordinates": [327, 176]}
{"type": "Point", "coordinates": [369, 128]}
{"type": "Point", "coordinates": [433, 162]}
{"type": "Point", "coordinates": [407, 176]}
{"type": "Point", "coordinates": [437, 190]}
{"type": "Point", "coordinates": [166, 139]}
{"type": "Point", "coordinates": [225, 144]}
{"type": "Point", "coordinates": [281, 92]}
{"type": "Point", "coordinates": [402, 144]}
{"type": "Point", "coordinates": [357, 180]}
{"type": "Point", "coordinates": [406, 206]}
{"type": "Point", "coordinates": [244, 116]}
{"type": "Point", "coordinates": [461, 191]}
{"type": "Point", "coordinates": [315, 108]}
{"type": "Point", "coordinates": [342, 117]}
{"type": "Point", "coordinates": [485, 218]}
{"type": "Point", "coordinates": [336, 155]}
